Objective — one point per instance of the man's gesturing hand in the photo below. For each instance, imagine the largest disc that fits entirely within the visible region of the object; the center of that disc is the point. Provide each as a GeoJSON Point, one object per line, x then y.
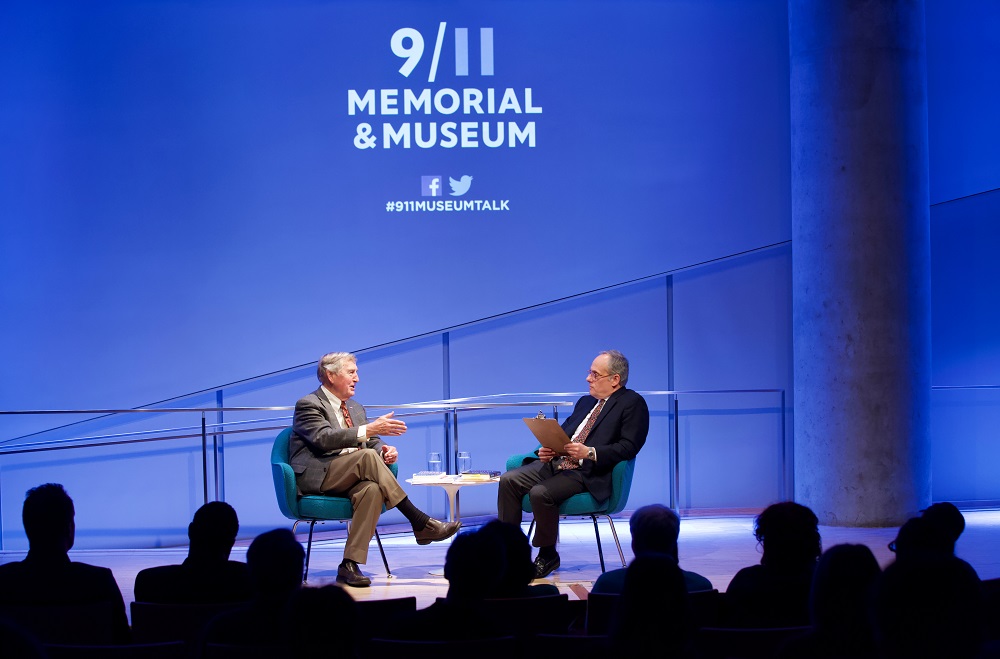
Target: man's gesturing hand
{"type": "Point", "coordinates": [386, 426]}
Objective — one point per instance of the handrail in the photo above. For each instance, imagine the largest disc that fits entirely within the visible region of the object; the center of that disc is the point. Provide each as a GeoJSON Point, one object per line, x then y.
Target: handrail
{"type": "Point", "coordinates": [449, 407]}
{"type": "Point", "coordinates": [442, 406]}
{"type": "Point", "coordinates": [433, 407]}
{"type": "Point", "coordinates": [943, 387]}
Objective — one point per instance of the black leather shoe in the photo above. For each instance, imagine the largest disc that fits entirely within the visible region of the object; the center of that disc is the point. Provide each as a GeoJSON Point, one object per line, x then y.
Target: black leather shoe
{"type": "Point", "coordinates": [544, 568]}
{"type": "Point", "coordinates": [435, 530]}
{"type": "Point", "coordinates": [350, 574]}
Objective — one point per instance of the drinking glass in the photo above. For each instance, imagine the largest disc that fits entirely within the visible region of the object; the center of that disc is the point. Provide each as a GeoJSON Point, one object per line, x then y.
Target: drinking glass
{"type": "Point", "coordinates": [464, 461]}
{"type": "Point", "coordinates": [434, 461]}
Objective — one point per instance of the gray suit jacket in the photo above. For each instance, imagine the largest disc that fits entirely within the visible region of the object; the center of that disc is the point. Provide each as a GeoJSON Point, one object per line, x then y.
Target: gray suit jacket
{"type": "Point", "coordinates": [317, 438]}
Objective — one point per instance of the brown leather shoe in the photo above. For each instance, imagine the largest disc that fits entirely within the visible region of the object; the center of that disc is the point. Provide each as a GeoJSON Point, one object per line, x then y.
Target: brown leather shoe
{"type": "Point", "coordinates": [349, 573]}
{"type": "Point", "coordinates": [436, 530]}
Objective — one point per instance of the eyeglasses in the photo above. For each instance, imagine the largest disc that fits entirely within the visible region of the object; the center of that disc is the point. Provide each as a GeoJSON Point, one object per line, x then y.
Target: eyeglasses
{"type": "Point", "coordinates": [598, 376]}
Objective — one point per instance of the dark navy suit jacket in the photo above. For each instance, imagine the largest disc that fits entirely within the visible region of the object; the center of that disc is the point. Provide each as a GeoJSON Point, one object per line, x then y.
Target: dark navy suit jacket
{"type": "Point", "coordinates": [617, 435]}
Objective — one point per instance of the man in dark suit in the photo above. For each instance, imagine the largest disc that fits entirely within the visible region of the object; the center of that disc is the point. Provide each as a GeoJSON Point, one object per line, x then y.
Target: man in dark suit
{"type": "Point", "coordinates": [206, 575]}
{"type": "Point", "coordinates": [334, 449]}
{"type": "Point", "coordinates": [48, 576]}
{"type": "Point", "coordinates": [605, 428]}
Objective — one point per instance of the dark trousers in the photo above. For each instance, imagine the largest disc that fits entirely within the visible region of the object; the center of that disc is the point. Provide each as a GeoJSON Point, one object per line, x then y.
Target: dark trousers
{"type": "Point", "coordinates": [546, 488]}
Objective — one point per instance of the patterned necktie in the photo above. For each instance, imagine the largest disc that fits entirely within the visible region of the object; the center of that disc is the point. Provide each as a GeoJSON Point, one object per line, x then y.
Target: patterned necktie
{"type": "Point", "coordinates": [347, 415]}
{"type": "Point", "coordinates": [566, 463]}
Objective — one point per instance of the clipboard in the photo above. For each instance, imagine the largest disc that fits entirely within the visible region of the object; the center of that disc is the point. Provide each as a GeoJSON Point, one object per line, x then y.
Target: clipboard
{"type": "Point", "coordinates": [549, 433]}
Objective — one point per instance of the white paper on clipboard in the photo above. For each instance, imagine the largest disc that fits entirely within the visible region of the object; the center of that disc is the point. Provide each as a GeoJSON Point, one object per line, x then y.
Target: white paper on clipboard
{"type": "Point", "coordinates": [549, 433]}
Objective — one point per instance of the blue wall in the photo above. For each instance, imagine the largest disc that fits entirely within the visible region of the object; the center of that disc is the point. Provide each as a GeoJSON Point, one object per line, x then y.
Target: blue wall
{"type": "Point", "coordinates": [184, 206]}
{"type": "Point", "coordinates": [191, 199]}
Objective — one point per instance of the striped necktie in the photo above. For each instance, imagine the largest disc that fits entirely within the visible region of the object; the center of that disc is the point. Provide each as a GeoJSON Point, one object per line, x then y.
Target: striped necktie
{"type": "Point", "coordinates": [347, 415]}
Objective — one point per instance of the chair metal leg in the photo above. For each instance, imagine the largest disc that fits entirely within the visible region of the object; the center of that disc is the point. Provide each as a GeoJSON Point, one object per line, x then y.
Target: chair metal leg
{"type": "Point", "coordinates": [597, 534]}
{"type": "Point", "coordinates": [382, 551]}
{"type": "Point", "coordinates": [309, 545]}
{"type": "Point", "coordinates": [600, 553]}
{"type": "Point", "coordinates": [600, 550]}
{"type": "Point", "coordinates": [621, 555]}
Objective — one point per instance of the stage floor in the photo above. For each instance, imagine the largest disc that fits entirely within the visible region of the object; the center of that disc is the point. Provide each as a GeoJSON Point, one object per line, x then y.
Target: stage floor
{"type": "Point", "coordinates": [716, 547]}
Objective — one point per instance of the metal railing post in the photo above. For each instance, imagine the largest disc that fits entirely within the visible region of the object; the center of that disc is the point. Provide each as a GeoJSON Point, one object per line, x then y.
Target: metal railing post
{"type": "Point", "coordinates": [219, 450]}
{"type": "Point", "coordinates": [675, 490]}
{"type": "Point", "coordinates": [204, 459]}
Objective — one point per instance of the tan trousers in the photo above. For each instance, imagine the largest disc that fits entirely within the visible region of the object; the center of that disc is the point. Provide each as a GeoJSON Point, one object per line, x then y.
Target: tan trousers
{"type": "Point", "coordinates": [364, 478]}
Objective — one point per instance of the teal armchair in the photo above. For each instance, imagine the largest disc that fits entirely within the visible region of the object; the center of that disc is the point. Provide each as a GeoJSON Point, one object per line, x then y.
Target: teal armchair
{"type": "Point", "coordinates": [310, 508]}
{"type": "Point", "coordinates": [585, 505]}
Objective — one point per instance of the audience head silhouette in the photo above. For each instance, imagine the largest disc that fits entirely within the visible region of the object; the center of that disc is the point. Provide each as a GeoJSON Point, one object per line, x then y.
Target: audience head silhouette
{"type": "Point", "coordinates": [276, 560]}
{"type": "Point", "coordinates": [919, 536]}
{"type": "Point", "coordinates": [474, 565]}
{"type": "Point", "coordinates": [842, 590]}
{"type": "Point", "coordinates": [947, 521]}
{"type": "Point", "coordinates": [789, 533]}
{"type": "Point", "coordinates": [775, 593]}
{"type": "Point", "coordinates": [48, 518]}
{"type": "Point", "coordinates": [654, 602]}
{"type": "Point", "coordinates": [518, 569]}
{"type": "Point", "coordinates": [929, 605]}
{"type": "Point", "coordinates": [655, 528]}
{"type": "Point", "coordinates": [840, 603]}
{"type": "Point", "coordinates": [213, 530]}
{"type": "Point", "coordinates": [47, 576]}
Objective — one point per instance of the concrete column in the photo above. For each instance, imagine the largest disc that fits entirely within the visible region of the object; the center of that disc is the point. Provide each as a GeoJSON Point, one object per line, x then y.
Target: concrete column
{"type": "Point", "coordinates": [860, 259]}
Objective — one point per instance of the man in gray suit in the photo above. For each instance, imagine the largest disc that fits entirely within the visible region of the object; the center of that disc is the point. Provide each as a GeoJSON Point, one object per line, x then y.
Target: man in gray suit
{"type": "Point", "coordinates": [334, 449]}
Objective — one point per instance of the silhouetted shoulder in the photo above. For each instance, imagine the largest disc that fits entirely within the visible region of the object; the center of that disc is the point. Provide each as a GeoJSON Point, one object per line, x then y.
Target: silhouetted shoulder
{"type": "Point", "coordinates": [226, 582]}
{"type": "Point", "coordinates": [70, 582]}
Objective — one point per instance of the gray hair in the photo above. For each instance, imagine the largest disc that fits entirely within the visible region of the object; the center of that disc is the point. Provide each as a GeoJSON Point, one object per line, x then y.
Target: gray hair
{"type": "Point", "coordinates": [333, 362]}
{"type": "Point", "coordinates": [618, 365]}
{"type": "Point", "coordinates": [655, 528]}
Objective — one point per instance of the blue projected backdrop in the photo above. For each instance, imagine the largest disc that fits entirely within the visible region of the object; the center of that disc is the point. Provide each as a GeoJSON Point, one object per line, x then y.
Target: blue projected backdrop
{"type": "Point", "coordinates": [190, 191]}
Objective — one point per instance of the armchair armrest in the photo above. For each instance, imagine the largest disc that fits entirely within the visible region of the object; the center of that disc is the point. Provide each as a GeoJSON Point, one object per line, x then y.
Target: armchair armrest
{"type": "Point", "coordinates": [518, 459]}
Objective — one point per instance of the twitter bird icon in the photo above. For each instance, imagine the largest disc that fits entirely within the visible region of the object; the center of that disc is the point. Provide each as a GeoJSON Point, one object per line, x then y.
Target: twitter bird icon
{"type": "Point", "coordinates": [461, 186]}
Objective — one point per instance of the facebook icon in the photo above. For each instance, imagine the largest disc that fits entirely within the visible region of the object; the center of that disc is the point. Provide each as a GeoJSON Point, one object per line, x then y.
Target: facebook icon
{"type": "Point", "coordinates": [430, 186]}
